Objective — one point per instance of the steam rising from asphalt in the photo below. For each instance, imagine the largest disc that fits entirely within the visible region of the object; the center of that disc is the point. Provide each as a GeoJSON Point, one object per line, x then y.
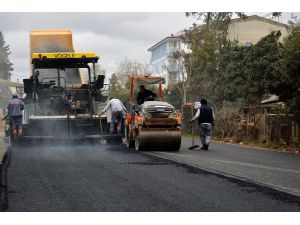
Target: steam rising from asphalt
{"type": "Point", "coordinates": [60, 150]}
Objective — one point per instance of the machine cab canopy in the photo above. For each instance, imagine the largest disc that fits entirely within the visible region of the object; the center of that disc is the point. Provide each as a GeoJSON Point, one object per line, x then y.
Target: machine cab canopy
{"type": "Point", "coordinates": [146, 80]}
{"type": "Point", "coordinates": [63, 60]}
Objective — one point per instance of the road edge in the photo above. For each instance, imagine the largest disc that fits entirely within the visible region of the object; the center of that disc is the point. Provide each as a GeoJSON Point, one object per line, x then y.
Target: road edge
{"type": "Point", "coordinates": [252, 147]}
{"type": "Point", "coordinates": [271, 189]}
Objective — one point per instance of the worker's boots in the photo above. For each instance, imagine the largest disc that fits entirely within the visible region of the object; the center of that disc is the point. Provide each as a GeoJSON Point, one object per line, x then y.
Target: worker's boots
{"type": "Point", "coordinates": [205, 147]}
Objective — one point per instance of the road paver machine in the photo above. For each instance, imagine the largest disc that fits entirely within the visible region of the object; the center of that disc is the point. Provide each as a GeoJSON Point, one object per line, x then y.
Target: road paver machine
{"type": "Point", "coordinates": [56, 108]}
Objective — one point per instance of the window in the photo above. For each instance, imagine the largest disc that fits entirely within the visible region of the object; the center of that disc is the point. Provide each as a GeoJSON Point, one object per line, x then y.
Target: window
{"type": "Point", "coordinates": [248, 43]}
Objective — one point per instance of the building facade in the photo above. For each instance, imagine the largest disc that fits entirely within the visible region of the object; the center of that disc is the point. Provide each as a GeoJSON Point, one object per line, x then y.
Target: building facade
{"type": "Point", "coordinates": [249, 31]}
{"type": "Point", "coordinates": [246, 31]}
{"type": "Point", "coordinates": [161, 62]}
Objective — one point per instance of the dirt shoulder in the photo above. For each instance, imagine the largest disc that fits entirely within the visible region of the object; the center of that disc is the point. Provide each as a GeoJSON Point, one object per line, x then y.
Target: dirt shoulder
{"type": "Point", "coordinates": [293, 148]}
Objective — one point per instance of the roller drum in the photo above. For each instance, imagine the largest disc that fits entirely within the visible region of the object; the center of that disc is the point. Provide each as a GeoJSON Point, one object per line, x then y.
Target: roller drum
{"type": "Point", "coordinates": [164, 140]}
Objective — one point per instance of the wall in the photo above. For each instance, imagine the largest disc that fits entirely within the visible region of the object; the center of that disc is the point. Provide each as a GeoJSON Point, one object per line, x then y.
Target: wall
{"type": "Point", "coordinates": [252, 30]}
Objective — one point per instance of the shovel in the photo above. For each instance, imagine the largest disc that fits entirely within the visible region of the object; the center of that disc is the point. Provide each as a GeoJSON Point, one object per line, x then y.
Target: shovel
{"type": "Point", "coordinates": [193, 139]}
{"type": "Point", "coordinates": [101, 130]}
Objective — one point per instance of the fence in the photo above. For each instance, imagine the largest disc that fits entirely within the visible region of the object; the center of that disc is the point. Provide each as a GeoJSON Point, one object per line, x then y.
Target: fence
{"type": "Point", "coordinates": [253, 124]}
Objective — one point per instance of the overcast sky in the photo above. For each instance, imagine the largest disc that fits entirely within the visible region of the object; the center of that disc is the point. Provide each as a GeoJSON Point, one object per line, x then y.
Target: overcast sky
{"type": "Point", "coordinates": [113, 36]}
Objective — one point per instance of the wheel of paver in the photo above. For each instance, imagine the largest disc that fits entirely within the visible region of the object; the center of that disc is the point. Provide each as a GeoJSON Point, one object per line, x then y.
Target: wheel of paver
{"type": "Point", "coordinates": [129, 142]}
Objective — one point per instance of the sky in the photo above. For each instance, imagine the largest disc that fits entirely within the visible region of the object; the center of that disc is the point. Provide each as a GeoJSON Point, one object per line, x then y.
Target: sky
{"type": "Point", "coordinates": [114, 36]}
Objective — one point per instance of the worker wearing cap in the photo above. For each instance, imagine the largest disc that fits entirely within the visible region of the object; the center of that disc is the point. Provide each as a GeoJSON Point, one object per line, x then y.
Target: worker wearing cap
{"type": "Point", "coordinates": [206, 117]}
{"type": "Point", "coordinates": [15, 115]}
{"type": "Point", "coordinates": [118, 111]}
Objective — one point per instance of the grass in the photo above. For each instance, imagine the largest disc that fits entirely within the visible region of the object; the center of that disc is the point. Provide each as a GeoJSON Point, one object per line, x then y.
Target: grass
{"type": "Point", "coordinates": [292, 147]}
{"type": "Point", "coordinates": [274, 145]}
{"type": "Point", "coordinates": [186, 134]}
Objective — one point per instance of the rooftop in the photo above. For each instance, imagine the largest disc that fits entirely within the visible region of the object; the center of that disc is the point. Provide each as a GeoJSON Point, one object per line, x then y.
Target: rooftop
{"type": "Point", "coordinates": [236, 20]}
{"type": "Point", "coordinates": [174, 38]}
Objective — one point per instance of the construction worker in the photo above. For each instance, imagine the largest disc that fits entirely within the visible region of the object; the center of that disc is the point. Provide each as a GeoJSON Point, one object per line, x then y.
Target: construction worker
{"type": "Point", "coordinates": [145, 95]}
{"type": "Point", "coordinates": [118, 111]}
{"type": "Point", "coordinates": [15, 115]}
{"type": "Point", "coordinates": [35, 79]}
{"type": "Point", "coordinates": [206, 117]}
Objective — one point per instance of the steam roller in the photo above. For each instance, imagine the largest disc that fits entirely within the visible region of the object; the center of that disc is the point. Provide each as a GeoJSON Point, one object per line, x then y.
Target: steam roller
{"type": "Point", "coordinates": [154, 125]}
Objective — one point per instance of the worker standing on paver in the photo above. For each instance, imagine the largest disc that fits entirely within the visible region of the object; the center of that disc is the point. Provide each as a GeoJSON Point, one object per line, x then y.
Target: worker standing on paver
{"type": "Point", "coordinates": [206, 117]}
{"type": "Point", "coordinates": [15, 115]}
{"type": "Point", "coordinates": [118, 111]}
{"type": "Point", "coordinates": [35, 78]}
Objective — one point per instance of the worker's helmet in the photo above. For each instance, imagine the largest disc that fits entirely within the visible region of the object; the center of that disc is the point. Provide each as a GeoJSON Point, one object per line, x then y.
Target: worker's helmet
{"type": "Point", "coordinates": [15, 96]}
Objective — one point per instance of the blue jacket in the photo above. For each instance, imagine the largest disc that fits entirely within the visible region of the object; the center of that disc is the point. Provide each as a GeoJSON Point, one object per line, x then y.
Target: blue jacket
{"type": "Point", "coordinates": [15, 107]}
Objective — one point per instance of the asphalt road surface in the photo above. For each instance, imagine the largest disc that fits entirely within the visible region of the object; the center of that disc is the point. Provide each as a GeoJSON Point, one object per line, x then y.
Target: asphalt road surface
{"type": "Point", "coordinates": [279, 170]}
{"type": "Point", "coordinates": [82, 177]}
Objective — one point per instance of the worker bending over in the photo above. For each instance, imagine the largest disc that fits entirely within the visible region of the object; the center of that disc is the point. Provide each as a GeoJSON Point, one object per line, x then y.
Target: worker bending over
{"type": "Point", "coordinates": [15, 115]}
{"type": "Point", "coordinates": [206, 117]}
{"type": "Point", "coordinates": [118, 111]}
{"type": "Point", "coordinates": [145, 95]}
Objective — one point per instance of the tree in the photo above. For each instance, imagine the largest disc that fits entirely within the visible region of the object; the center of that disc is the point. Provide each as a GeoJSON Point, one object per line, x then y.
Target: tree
{"type": "Point", "coordinates": [248, 73]}
{"type": "Point", "coordinates": [129, 67]}
{"type": "Point", "coordinates": [5, 69]}
{"type": "Point", "coordinates": [173, 95]}
{"type": "Point", "coordinates": [119, 81]}
{"type": "Point", "coordinates": [206, 42]}
{"type": "Point", "coordinates": [117, 90]}
{"type": "Point", "coordinates": [262, 67]}
{"type": "Point", "coordinates": [179, 90]}
{"type": "Point", "coordinates": [288, 89]}
{"type": "Point", "coordinates": [229, 86]}
{"type": "Point", "coordinates": [215, 22]}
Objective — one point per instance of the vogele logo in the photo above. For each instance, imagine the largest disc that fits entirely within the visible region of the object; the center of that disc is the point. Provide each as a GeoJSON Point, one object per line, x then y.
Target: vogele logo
{"type": "Point", "coordinates": [64, 55]}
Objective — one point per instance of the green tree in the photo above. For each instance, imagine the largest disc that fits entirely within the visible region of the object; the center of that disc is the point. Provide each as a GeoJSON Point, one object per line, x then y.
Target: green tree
{"type": "Point", "coordinates": [288, 89]}
{"type": "Point", "coordinates": [230, 84]}
{"type": "Point", "coordinates": [5, 69]}
{"type": "Point", "coordinates": [248, 73]}
{"type": "Point", "coordinates": [206, 42]}
{"type": "Point", "coordinates": [117, 90]}
{"type": "Point", "coordinates": [262, 67]}
{"type": "Point", "coordinates": [173, 95]}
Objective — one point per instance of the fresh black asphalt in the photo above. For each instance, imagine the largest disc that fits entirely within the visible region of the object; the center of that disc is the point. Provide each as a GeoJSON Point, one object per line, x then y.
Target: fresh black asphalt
{"type": "Point", "coordinates": [84, 177]}
{"type": "Point", "coordinates": [280, 170]}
